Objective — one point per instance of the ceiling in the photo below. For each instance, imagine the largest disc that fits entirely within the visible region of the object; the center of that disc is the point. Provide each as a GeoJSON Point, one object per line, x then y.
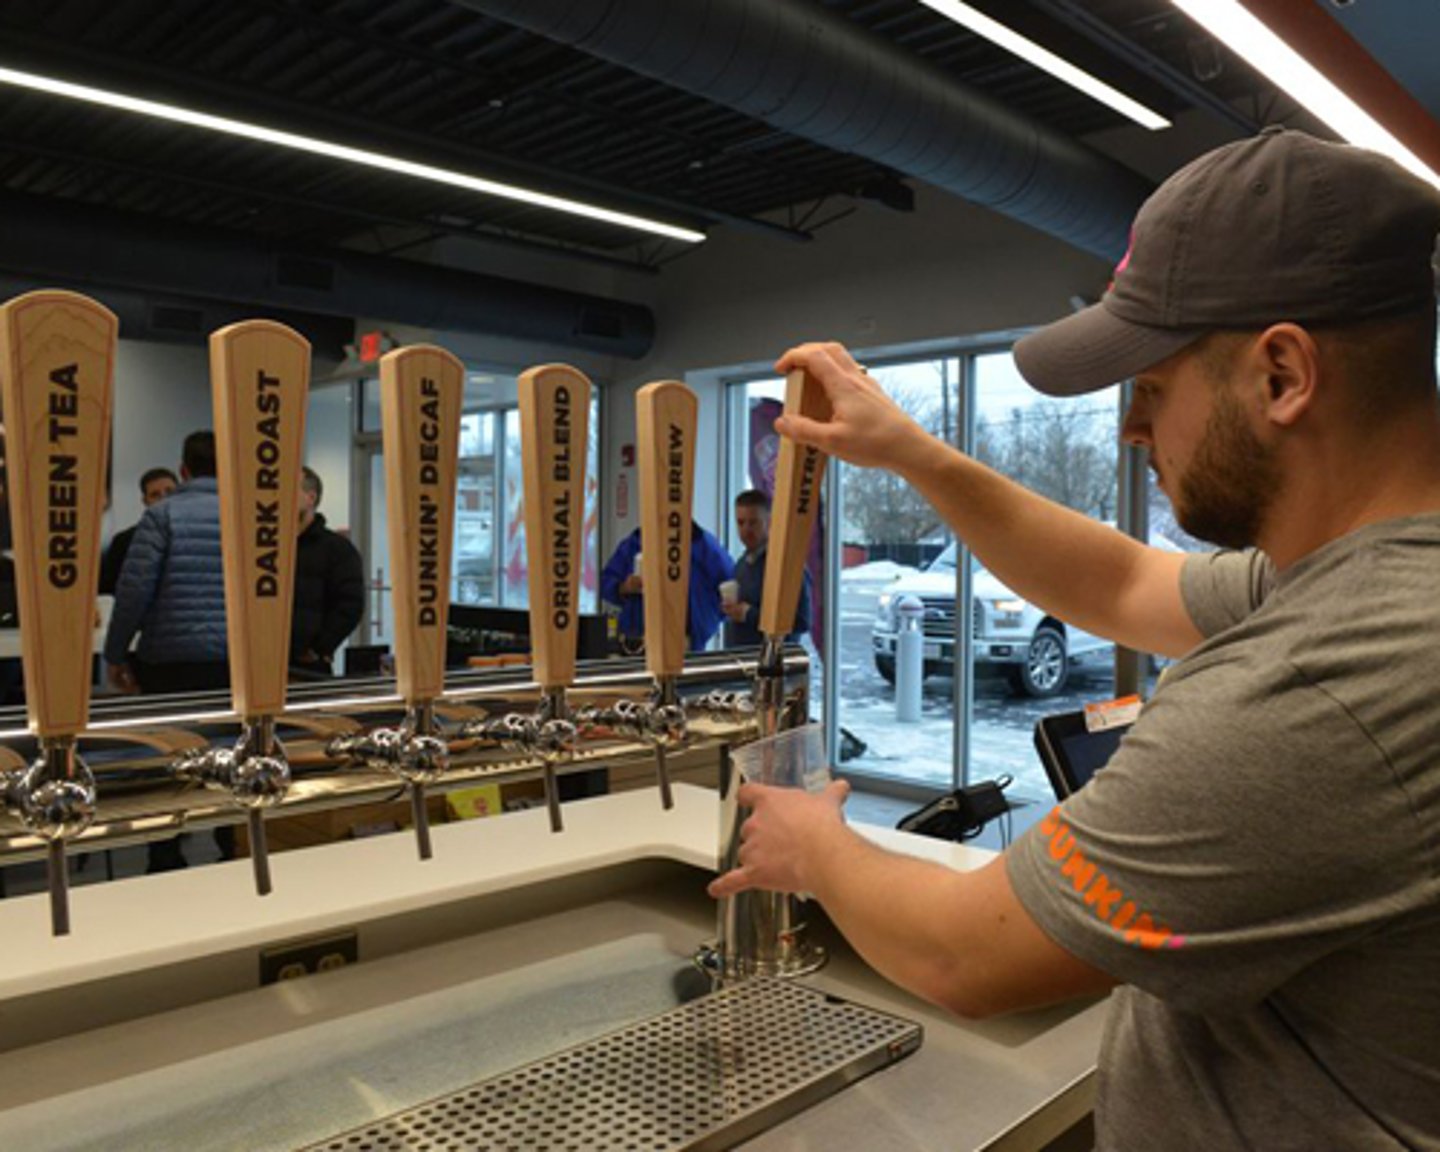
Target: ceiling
{"type": "Point", "coordinates": [437, 81]}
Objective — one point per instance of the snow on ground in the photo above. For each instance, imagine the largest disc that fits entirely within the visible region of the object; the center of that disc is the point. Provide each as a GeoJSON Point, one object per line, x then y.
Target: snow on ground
{"type": "Point", "coordinates": [874, 572]}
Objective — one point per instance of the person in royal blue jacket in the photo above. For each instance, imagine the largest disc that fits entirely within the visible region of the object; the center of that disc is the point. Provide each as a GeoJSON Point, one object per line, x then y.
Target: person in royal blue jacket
{"type": "Point", "coordinates": [710, 566]}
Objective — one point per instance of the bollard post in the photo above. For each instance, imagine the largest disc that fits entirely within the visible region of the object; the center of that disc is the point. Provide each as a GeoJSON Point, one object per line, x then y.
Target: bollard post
{"type": "Point", "coordinates": [909, 659]}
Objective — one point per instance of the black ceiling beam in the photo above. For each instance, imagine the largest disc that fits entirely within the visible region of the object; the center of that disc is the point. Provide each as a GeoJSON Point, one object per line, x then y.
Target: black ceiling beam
{"type": "Point", "coordinates": [427, 221]}
{"type": "Point", "coordinates": [1077, 16]}
{"type": "Point", "coordinates": [508, 85]}
{"type": "Point", "coordinates": [32, 53]}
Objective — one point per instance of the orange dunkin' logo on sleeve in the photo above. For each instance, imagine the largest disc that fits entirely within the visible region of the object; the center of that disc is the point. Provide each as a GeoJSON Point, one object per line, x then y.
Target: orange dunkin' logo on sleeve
{"type": "Point", "coordinates": [1100, 894]}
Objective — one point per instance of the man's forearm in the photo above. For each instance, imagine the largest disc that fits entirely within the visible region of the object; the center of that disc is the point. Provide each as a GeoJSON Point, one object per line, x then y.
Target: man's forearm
{"type": "Point", "coordinates": [1084, 572]}
{"type": "Point", "coordinates": [899, 913]}
{"type": "Point", "coordinates": [958, 939]}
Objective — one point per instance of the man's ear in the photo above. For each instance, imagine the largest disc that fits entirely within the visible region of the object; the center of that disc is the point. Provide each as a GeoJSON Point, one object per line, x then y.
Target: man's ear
{"type": "Point", "coordinates": [1286, 361]}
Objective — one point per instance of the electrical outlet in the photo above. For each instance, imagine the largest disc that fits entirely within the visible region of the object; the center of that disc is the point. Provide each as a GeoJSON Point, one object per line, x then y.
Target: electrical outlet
{"type": "Point", "coordinates": [295, 958]}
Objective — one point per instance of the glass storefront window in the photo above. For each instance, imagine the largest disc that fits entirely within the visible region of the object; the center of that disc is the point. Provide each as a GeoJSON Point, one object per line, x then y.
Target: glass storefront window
{"type": "Point", "coordinates": [1028, 664]}
{"type": "Point", "coordinates": [1024, 663]}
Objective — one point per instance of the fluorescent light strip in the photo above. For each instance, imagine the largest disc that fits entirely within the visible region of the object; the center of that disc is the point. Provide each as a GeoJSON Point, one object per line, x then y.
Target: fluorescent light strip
{"type": "Point", "coordinates": [1047, 61]}
{"type": "Point", "coordinates": [1249, 38]}
{"type": "Point", "coordinates": [230, 127]}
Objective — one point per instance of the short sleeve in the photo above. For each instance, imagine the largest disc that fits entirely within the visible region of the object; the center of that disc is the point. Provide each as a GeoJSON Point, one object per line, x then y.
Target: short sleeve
{"type": "Point", "coordinates": [1220, 589]}
{"type": "Point", "coordinates": [1230, 843]}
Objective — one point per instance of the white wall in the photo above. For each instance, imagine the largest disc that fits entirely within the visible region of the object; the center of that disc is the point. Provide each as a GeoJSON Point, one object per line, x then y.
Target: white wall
{"type": "Point", "coordinates": [329, 425]}
{"type": "Point", "coordinates": [877, 279]}
{"type": "Point", "coordinates": [162, 394]}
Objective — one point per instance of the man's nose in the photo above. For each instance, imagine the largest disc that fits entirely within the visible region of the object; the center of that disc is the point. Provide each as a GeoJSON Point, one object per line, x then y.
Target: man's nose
{"type": "Point", "coordinates": [1135, 428]}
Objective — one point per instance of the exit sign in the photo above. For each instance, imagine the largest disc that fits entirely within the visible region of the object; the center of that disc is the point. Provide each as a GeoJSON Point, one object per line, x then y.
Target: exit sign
{"type": "Point", "coordinates": [373, 345]}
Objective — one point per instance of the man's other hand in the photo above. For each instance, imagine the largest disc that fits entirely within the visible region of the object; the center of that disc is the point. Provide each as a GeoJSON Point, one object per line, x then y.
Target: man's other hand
{"type": "Point", "coordinates": [789, 833]}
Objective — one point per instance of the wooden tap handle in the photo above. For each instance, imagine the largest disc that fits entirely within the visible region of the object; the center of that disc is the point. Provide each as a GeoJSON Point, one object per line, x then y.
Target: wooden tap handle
{"type": "Point", "coordinates": [793, 509]}
{"type": "Point", "coordinates": [421, 389]}
{"type": "Point", "coordinates": [667, 417]}
{"type": "Point", "coordinates": [260, 382]}
{"type": "Point", "coordinates": [57, 354]}
{"type": "Point", "coordinates": [554, 435]}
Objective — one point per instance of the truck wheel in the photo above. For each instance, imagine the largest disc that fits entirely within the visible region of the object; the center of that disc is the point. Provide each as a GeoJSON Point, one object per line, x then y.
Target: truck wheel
{"type": "Point", "coordinates": [1045, 669]}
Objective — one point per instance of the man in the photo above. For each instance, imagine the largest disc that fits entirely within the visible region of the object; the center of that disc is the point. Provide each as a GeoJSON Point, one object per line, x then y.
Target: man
{"type": "Point", "coordinates": [752, 524]}
{"type": "Point", "coordinates": [155, 485]}
{"type": "Point", "coordinates": [329, 586]}
{"type": "Point", "coordinates": [172, 588]}
{"type": "Point", "coordinates": [1259, 865]}
{"type": "Point", "coordinates": [710, 566]}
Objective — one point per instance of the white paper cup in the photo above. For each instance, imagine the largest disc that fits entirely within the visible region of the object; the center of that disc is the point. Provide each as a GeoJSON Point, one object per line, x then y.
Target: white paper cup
{"type": "Point", "coordinates": [729, 591]}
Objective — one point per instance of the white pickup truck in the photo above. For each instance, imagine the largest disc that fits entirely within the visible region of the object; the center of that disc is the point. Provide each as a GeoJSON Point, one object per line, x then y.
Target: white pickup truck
{"type": "Point", "coordinates": [1036, 651]}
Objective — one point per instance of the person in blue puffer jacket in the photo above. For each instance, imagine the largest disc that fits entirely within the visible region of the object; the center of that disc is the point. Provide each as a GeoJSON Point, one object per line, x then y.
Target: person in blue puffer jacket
{"type": "Point", "coordinates": [171, 589]}
{"type": "Point", "coordinates": [710, 566]}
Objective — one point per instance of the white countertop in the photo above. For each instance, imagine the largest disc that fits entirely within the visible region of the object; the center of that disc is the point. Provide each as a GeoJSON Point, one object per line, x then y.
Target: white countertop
{"type": "Point", "coordinates": [547, 940]}
{"type": "Point", "coordinates": [147, 921]}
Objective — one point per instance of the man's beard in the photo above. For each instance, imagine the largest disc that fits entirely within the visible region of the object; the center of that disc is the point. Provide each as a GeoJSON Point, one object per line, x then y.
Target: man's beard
{"type": "Point", "coordinates": [1231, 481]}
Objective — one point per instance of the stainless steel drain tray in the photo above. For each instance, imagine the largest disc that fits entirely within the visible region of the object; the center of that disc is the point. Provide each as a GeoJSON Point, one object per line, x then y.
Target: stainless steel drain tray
{"type": "Point", "coordinates": [706, 1075]}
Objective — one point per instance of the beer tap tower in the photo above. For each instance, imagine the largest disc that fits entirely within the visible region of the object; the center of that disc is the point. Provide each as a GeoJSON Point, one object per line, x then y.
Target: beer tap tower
{"type": "Point", "coordinates": [260, 381]}
{"type": "Point", "coordinates": [57, 352]}
{"type": "Point", "coordinates": [421, 389]}
{"type": "Point", "coordinates": [554, 436]}
{"type": "Point", "coordinates": [667, 418]}
{"type": "Point", "coordinates": [762, 933]}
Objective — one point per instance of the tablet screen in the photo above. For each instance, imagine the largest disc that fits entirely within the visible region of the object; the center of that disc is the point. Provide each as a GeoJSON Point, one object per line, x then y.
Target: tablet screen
{"type": "Point", "coordinates": [1071, 755]}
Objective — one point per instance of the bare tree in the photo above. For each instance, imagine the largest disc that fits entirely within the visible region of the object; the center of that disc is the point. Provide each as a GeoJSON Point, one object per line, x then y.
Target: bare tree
{"type": "Point", "coordinates": [1059, 449]}
{"type": "Point", "coordinates": [880, 508]}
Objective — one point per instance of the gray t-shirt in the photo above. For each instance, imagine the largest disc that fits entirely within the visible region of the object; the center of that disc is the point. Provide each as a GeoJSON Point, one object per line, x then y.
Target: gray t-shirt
{"type": "Point", "coordinates": [1259, 864]}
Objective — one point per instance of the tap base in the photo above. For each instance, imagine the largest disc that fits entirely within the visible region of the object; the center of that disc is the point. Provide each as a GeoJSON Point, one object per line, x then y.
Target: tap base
{"type": "Point", "coordinates": [803, 959]}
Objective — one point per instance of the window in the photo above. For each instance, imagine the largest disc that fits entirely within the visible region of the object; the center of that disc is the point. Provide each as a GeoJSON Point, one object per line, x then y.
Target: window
{"type": "Point", "coordinates": [991, 669]}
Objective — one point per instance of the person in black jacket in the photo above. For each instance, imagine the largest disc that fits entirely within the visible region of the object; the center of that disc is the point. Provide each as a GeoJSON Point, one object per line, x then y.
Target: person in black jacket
{"type": "Point", "coordinates": [155, 485]}
{"type": "Point", "coordinates": [329, 587]}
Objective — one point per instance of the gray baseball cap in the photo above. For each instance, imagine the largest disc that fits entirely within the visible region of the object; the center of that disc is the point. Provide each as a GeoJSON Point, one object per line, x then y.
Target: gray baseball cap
{"type": "Point", "coordinates": [1277, 227]}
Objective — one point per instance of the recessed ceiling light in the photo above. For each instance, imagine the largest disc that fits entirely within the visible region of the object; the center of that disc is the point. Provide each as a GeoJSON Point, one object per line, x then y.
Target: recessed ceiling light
{"type": "Point", "coordinates": [1047, 61]}
{"type": "Point", "coordinates": [178, 115]}
{"type": "Point", "coordinates": [1252, 40]}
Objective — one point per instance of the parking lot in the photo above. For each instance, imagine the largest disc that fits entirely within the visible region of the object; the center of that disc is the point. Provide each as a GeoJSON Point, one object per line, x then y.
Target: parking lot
{"type": "Point", "coordinates": [1002, 735]}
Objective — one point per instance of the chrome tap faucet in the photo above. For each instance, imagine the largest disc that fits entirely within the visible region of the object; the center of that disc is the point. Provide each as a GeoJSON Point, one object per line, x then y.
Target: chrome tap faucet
{"type": "Point", "coordinates": [55, 798]}
{"type": "Point", "coordinates": [416, 752]}
{"type": "Point", "coordinates": [257, 776]}
{"type": "Point", "coordinates": [260, 382]}
{"type": "Point", "coordinates": [551, 734]}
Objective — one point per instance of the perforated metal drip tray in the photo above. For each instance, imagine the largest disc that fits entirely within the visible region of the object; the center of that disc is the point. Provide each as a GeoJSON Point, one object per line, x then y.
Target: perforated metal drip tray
{"type": "Point", "coordinates": [706, 1075]}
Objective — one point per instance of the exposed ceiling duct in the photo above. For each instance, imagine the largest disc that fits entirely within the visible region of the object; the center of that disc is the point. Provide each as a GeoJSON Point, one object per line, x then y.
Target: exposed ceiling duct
{"type": "Point", "coordinates": [84, 246]}
{"type": "Point", "coordinates": [804, 70]}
